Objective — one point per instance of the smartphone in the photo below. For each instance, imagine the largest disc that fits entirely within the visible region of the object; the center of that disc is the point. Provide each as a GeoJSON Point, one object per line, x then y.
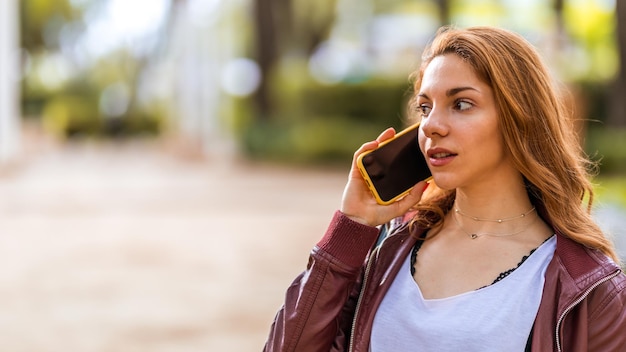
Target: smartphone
{"type": "Point", "coordinates": [392, 169]}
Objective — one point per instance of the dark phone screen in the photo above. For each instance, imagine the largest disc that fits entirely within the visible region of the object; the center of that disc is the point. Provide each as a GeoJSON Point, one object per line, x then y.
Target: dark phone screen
{"type": "Point", "coordinates": [396, 166]}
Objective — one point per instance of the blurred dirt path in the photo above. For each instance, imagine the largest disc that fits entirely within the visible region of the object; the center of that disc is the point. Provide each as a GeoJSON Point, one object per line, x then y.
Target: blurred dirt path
{"type": "Point", "coordinates": [130, 248]}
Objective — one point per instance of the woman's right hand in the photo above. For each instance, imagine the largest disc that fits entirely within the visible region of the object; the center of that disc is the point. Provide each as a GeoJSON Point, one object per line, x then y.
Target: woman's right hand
{"type": "Point", "coordinates": [359, 204]}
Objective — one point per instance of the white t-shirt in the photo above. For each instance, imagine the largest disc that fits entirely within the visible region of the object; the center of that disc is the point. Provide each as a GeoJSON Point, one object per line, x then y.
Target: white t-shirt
{"type": "Point", "coordinates": [498, 317]}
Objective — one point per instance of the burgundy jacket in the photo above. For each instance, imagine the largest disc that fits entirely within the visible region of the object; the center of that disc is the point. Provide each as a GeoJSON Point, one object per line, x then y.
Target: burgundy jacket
{"type": "Point", "coordinates": [332, 304]}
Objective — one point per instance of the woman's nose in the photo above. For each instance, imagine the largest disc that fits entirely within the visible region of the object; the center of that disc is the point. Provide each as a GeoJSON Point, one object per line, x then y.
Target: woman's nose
{"type": "Point", "coordinates": [435, 124]}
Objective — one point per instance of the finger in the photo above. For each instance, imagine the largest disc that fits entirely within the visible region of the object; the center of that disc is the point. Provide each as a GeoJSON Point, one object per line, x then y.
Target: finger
{"type": "Point", "coordinates": [354, 172]}
{"type": "Point", "coordinates": [386, 134]}
{"type": "Point", "coordinates": [365, 147]}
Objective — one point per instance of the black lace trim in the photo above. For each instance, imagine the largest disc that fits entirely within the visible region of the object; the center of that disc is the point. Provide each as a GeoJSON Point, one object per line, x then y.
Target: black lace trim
{"type": "Point", "coordinates": [416, 248]}
{"type": "Point", "coordinates": [500, 277]}
{"type": "Point", "coordinates": [508, 272]}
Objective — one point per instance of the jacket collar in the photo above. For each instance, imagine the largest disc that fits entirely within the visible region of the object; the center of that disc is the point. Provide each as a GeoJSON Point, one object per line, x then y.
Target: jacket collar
{"type": "Point", "coordinates": [584, 265]}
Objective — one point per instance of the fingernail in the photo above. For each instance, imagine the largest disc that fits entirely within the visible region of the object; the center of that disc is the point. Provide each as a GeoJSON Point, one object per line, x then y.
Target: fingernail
{"type": "Point", "coordinates": [427, 184]}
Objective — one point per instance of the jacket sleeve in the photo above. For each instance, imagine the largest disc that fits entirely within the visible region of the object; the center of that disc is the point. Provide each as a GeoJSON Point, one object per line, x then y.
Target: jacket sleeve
{"type": "Point", "coordinates": [607, 323]}
{"type": "Point", "coordinates": [319, 304]}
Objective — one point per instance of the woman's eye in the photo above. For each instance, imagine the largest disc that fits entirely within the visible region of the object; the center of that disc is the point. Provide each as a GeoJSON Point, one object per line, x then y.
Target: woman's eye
{"type": "Point", "coordinates": [462, 105]}
{"type": "Point", "coordinates": [424, 110]}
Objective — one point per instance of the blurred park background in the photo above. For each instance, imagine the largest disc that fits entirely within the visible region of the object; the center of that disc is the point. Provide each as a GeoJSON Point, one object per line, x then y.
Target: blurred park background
{"type": "Point", "coordinates": [166, 165]}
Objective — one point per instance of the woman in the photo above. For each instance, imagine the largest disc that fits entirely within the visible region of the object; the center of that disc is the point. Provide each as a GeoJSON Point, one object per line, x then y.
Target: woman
{"type": "Point", "coordinates": [496, 254]}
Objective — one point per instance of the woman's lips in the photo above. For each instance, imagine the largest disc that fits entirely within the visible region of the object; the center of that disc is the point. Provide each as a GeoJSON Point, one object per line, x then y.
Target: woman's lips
{"type": "Point", "coordinates": [440, 157]}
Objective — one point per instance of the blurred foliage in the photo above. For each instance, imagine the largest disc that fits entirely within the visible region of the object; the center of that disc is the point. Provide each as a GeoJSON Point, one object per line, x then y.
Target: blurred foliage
{"type": "Point", "coordinates": [312, 140]}
{"type": "Point", "coordinates": [309, 121]}
{"type": "Point", "coordinates": [69, 95]}
{"type": "Point", "coordinates": [314, 122]}
{"type": "Point", "coordinates": [335, 119]}
{"type": "Point", "coordinates": [376, 100]}
{"type": "Point", "coordinates": [608, 147]}
{"type": "Point", "coordinates": [611, 190]}
{"type": "Point", "coordinates": [71, 114]}
{"type": "Point", "coordinates": [42, 20]}
{"type": "Point", "coordinates": [593, 99]}
{"type": "Point", "coordinates": [313, 20]}
{"type": "Point", "coordinates": [591, 26]}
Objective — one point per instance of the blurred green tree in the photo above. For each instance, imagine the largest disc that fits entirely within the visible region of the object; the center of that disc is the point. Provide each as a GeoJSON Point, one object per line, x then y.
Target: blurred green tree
{"type": "Point", "coordinates": [284, 28]}
{"type": "Point", "coordinates": [266, 13]}
{"type": "Point", "coordinates": [444, 11]}
{"type": "Point", "coordinates": [74, 91]}
{"type": "Point", "coordinates": [577, 37]}
{"type": "Point", "coordinates": [41, 21]}
{"type": "Point", "coordinates": [617, 112]}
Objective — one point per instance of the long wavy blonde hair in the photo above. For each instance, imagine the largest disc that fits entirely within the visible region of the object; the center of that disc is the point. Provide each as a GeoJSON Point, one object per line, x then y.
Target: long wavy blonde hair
{"type": "Point", "coordinates": [537, 129]}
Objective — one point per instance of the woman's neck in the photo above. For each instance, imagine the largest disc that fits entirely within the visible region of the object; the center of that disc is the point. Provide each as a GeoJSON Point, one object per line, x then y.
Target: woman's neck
{"type": "Point", "coordinates": [492, 206]}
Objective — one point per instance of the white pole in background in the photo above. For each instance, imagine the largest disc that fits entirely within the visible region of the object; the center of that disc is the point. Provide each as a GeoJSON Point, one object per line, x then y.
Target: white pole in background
{"type": "Point", "coordinates": [9, 88]}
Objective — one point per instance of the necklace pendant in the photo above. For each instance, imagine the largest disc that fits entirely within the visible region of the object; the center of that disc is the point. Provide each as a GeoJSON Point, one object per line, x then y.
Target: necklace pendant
{"type": "Point", "coordinates": [473, 236]}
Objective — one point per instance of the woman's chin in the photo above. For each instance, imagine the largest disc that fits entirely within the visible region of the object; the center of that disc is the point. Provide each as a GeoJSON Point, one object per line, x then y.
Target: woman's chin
{"type": "Point", "coordinates": [445, 183]}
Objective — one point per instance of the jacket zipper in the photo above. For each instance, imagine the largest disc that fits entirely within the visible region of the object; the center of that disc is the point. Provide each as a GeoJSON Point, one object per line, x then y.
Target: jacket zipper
{"type": "Point", "coordinates": [358, 302]}
{"type": "Point", "coordinates": [575, 303]}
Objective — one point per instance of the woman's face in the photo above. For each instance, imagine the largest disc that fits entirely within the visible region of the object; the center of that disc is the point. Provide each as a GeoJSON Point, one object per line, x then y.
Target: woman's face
{"type": "Point", "coordinates": [459, 133]}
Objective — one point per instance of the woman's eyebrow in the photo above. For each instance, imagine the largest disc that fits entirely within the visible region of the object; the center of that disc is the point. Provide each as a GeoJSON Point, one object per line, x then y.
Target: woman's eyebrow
{"type": "Point", "coordinates": [455, 91]}
{"type": "Point", "coordinates": [450, 92]}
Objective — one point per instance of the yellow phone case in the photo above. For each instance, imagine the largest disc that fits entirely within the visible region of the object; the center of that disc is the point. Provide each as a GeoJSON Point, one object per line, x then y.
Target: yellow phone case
{"type": "Point", "coordinates": [367, 178]}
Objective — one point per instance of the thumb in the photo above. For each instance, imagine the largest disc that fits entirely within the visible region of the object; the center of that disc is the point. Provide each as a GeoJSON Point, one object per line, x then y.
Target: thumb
{"type": "Point", "coordinates": [413, 197]}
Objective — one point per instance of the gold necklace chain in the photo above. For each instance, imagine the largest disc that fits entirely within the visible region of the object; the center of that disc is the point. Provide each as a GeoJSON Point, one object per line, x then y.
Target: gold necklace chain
{"type": "Point", "coordinates": [499, 221]}
{"type": "Point", "coordinates": [477, 235]}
